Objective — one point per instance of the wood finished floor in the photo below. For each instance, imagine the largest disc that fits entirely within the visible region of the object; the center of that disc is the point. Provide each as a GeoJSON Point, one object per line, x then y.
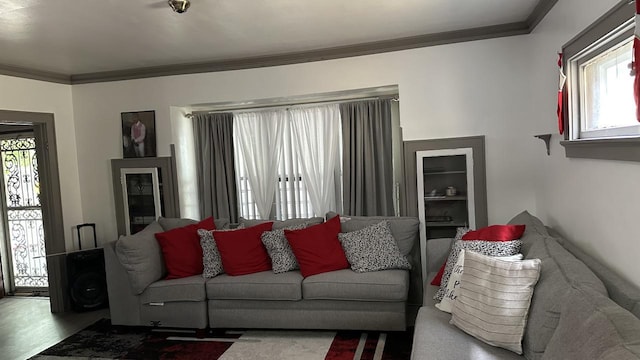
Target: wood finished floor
{"type": "Point", "coordinates": [27, 326]}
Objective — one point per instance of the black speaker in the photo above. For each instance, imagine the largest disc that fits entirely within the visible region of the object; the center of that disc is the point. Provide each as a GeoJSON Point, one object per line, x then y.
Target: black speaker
{"type": "Point", "coordinates": [87, 280]}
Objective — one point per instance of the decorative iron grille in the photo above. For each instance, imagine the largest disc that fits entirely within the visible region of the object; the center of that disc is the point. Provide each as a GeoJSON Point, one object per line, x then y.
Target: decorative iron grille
{"type": "Point", "coordinates": [24, 216]}
{"type": "Point", "coordinates": [27, 246]}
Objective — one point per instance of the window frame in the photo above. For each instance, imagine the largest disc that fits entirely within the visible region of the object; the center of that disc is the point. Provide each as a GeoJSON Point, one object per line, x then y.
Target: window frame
{"type": "Point", "coordinates": [597, 38]}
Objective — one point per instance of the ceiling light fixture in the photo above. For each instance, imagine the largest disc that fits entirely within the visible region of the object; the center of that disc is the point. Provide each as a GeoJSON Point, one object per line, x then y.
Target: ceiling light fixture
{"type": "Point", "coordinates": [179, 6]}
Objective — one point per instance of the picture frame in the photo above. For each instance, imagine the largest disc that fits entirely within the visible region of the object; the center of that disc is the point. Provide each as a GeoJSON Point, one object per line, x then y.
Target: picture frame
{"type": "Point", "coordinates": [139, 134]}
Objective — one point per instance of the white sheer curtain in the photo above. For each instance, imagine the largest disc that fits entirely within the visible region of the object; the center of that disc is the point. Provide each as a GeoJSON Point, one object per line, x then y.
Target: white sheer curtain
{"type": "Point", "coordinates": [292, 195]}
{"type": "Point", "coordinates": [258, 143]}
{"type": "Point", "coordinates": [316, 134]}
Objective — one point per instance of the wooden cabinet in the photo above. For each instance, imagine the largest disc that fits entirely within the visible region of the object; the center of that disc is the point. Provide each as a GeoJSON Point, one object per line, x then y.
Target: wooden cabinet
{"type": "Point", "coordinates": [144, 189]}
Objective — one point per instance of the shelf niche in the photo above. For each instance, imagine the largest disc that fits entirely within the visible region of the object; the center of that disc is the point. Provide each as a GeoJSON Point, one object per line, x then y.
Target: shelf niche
{"type": "Point", "coordinates": [438, 164]}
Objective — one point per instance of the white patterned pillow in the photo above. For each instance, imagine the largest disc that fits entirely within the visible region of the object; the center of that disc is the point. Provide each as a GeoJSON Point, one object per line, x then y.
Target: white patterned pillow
{"type": "Point", "coordinates": [211, 260]}
{"type": "Point", "coordinates": [494, 299]}
{"type": "Point", "coordinates": [453, 285]}
{"type": "Point", "coordinates": [488, 248]}
{"type": "Point", "coordinates": [282, 257]}
{"type": "Point", "coordinates": [373, 248]}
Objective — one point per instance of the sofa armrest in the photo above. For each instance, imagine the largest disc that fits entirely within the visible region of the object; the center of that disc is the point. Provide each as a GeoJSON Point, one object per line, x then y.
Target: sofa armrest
{"type": "Point", "coordinates": [123, 304]}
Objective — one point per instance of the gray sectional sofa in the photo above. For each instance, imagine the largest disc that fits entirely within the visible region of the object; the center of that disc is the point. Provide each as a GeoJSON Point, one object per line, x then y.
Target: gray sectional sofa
{"type": "Point", "coordinates": [579, 310]}
{"type": "Point", "coordinates": [343, 299]}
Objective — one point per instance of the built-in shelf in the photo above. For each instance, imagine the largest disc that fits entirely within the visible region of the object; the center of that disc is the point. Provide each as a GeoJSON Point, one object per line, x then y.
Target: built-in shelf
{"type": "Point", "coordinates": [441, 165]}
{"type": "Point", "coordinates": [445, 198]}
{"type": "Point", "coordinates": [445, 172]}
{"type": "Point", "coordinates": [445, 224]}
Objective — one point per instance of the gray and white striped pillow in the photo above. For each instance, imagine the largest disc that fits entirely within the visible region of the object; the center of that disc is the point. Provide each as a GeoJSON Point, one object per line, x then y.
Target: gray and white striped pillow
{"type": "Point", "coordinates": [494, 298]}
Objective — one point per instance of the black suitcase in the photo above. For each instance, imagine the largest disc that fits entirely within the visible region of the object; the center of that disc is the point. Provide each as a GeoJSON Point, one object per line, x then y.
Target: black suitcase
{"type": "Point", "coordinates": [86, 275]}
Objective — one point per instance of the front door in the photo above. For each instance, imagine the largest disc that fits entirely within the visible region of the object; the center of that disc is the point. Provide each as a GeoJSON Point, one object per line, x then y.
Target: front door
{"type": "Point", "coordinates": [22, 216]}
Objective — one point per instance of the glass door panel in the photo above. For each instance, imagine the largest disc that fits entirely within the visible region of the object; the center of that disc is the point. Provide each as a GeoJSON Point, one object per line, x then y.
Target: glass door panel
{"type": "Point", "coordinates": [142, 202]}
{"type": "Point", "coordinates": [22, 215]}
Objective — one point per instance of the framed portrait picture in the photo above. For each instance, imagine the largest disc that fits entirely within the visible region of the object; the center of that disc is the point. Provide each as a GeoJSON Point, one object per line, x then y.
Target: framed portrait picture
{"type": "Point", "coordinates": [139, 134]}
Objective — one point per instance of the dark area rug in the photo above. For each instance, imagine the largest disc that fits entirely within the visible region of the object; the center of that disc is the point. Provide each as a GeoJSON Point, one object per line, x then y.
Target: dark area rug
{"type": "Point", "coordinates": [105, 341]}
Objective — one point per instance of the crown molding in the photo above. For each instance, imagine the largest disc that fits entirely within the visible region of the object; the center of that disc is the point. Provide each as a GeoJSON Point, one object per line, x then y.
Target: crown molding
{"type": "Point", "coordinates": [33, 74]}
{"type": "Point", "coordinates": [539, 12]}
{"type": "Point", "coordinates": [370, 48]}
{"type": "Point", "coordinates": [377, 47]}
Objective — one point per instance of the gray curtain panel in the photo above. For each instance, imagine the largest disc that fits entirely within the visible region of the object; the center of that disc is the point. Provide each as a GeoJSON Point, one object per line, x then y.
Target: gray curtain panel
{"type": "Point", "coordinates": [367, 158]}
{"type": "Point", "coordinates": [215, 165]}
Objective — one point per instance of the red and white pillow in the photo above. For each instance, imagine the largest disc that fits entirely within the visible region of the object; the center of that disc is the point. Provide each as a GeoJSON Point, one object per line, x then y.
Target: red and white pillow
{"type": "Point", "coordinates": [496, 240]}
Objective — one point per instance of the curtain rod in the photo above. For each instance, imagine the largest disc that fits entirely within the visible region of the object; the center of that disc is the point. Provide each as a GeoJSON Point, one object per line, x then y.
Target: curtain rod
{"type": "Point", "coordinates": [289, 105]}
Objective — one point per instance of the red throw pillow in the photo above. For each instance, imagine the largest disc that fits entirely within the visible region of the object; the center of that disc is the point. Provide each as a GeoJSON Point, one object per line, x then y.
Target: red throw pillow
{"type": "Point", "coordinates": [242, 251]}
{"type": "Point", "coordinates": [181, 249]}
{"type": "Point", "coordinates": [438, 278]}
{"type": "Point", "coordinates": [496, 233]}
{"type": "Point", "coordinates": [317, 248]}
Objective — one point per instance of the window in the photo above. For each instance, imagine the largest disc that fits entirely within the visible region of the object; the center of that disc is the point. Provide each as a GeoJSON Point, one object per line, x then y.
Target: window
{"type": "Point", "coordinates": [300, 149]}
{"type": "Point", "coordinates": [282, 158]}
{"type": "Point", "coordinates": [606, 92]}
{"type": "Point", "coordinates": [291, 195]}
{"type": "Point", "coordinates": [601, 108]}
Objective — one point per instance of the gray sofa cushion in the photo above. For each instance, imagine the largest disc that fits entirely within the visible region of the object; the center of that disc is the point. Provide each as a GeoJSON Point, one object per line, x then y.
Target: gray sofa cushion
{"type": "Point", "coordinates": [184, 289]}
{"type": "Point", "coordinates": [281, 224]}
{"type": "Point", "coordinates": [404, 229]}
{"type": "Point", "coordinates": [559, 271]}
{"type": "Point", "coordinates": [141, 256]}
{"type": "Point", "coordinates": [592, 326]}
{"type": "Point", "coordinates": [385, 285]}
{"type": "Point", "coordinates": [534, 228]}
{"type": "Point", "coordinates": [263, 285]}
{"type": "Point", "coordinates": [620, 290]}
{"type": "Point", "coordinates": [174, 223]}
{"type": "Point", "coordinates": [435, 339]}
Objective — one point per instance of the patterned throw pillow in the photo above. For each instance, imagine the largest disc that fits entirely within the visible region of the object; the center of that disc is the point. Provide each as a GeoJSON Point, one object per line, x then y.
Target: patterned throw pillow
{"type": "Point", "coordinates": [453, 286]}
{"type": "Point", "coordinates": [282, 258]}
{"type": "Point", "coordinates": [488, 248]}
{"type": "Point", "coordinates": [373, 248]}
{"type": "Point", "coordinates": [211, 261]}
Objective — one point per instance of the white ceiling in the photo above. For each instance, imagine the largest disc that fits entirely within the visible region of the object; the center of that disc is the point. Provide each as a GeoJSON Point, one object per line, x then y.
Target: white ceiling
{"type": "Point", "coordinates": [75, 37]}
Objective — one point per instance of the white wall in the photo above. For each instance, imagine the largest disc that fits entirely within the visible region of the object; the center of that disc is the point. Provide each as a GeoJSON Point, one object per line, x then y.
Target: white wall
{"type": "Point", "coordinates": [477, 88]}
{"type": "Point", "coordinates": [595, 203]}
{"type": "Point", "coordinates": [37, 96]}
